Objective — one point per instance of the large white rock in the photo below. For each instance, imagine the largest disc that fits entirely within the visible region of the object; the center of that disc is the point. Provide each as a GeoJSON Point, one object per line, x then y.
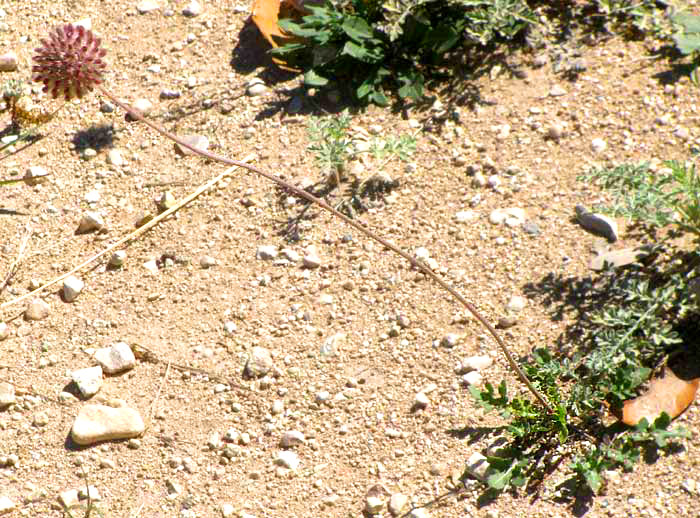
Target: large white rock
{"type": "Point", "coordinates": [37, 309]}
{"type": "Point", "coordinates": [115, 359]}
{"type": "Point", "coordinates": [88, 381]}
{"type": "Point", "coordinates": [259, 363]}
{"type": "Point", "coordinates": [6, 505]}
{"type": "Point", "coordinates": [96, 423]}
{"type": "Point", "coordinates": [72, 286]}
{"type": "Point", "coordinates": [7, 394]}
{"type": "Point", "coordinates": [287, 459]}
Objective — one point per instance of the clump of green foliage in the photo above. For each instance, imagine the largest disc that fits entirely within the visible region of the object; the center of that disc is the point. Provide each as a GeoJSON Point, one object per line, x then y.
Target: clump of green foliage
{"type": "Point", "coordinates": [332, 145]}
{"type": "Point", "coordinates": [687, 40]}
{"type": "Point", "coordinates": [668, 197]}
{"type": "Point", "coordinates": [375, 46]}
{"type": "Point", "coordinates": [649, 313]}
{"type": "Point", "coordinates": [642, 16]}
{"type": "Point", "coordinates": [330, 142]}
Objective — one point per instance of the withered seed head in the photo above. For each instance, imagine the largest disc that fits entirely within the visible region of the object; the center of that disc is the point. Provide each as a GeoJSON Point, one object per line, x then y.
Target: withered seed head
{"type": "Point", "coordinates": [70, 62]}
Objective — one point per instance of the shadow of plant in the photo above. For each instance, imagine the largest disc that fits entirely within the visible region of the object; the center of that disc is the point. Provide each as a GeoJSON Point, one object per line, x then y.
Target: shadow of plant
{"type": "Point", "coordinates": [350, 198]}
{"type": "Point", "coordinates": [95, 137]}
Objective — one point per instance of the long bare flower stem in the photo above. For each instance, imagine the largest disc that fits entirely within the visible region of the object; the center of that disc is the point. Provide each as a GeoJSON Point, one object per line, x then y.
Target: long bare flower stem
{"type": "Point", "coordinates": [135, 114]}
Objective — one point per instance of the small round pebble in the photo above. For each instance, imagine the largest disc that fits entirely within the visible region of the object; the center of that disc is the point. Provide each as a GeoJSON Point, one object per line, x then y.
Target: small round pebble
{"type": "Point", "coordinates": [277, 407]}
{"type": "Point", "coordinates": [40, 419]}
{"type": "Point", "coordinates": [311, 261]}
{"type": "Point", "coordinates": [598, 145]}
{"type": "Point", "coordinates": [291, 438]}
{"type": "Point", "coordinates": [256, 87]}
{"type": "Point", "coordinates": [91, 221]}
{"type": "Point", "coordinates": [4, 331]}
{"type": "Point", "coordinates": [117, 259]}
{"type": "Point", "coordinates": [197, 141]}
{"type": "Point", "coordinates": [37, 309]}
{"type": "Point", "coordinates": [397, 503]}
{"type": "Point", "coordinates": [192, 9]}
{"type": "Point", "coordinates": [35, 175]}
{"type": "Point", "coordinates": [450, 340]}
{"type": "Point", "coordinates": [8, 62]}
{"type": "Point", "coordinates": [72, 286]}
{"type": "Point", "coordinates": [287, 459]}
{"type": "Point", "coordinates": [207, 261]}
{"type": "Point", "coordinates": [555, 131]}
{"type": "Point", "coordinates": [516, 304]}
{"type": "Point", "coordinates": [506, 322]}
{"type": "Point", "coordinates": [472, 378]}
{"type": "Point", "coordinates": [115, 158]}
{"type": "Point", "coordinates": [420, 401]}
{"type": "Point", "coordinates": [532, 228]}
{"type": "Point", "coordinates": [266, 252]}
{"type": "Point", "coordinates": [142, 105]}
{"type": "Point", "coordinates": [230, 327]}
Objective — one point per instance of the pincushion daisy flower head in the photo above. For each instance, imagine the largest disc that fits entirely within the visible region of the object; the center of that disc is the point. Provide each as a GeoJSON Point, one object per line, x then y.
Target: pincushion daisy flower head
{"type": "Point", "coordinates": [69, 62]}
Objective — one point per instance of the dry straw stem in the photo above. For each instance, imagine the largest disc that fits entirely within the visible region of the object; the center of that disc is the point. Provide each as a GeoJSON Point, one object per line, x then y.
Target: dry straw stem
{"type": "Point", "coordinates": [155, 401]}
{"type": "Point", "coordinates": [135, 114]}
{"type": "Point", "coordinates": [130, 237]}
{"type": "Point", "coordinates": [20, 255]}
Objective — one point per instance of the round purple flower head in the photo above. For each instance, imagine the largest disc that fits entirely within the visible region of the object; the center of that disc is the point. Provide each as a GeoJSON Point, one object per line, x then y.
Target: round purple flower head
{"type": "Point", "coordinates": [70, 62]}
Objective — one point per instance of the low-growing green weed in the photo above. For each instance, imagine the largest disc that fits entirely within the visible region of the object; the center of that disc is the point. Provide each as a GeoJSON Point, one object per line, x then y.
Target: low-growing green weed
{"type": "Point", "coordinates": [670, 196]}
{"type": "Point", "coordinates": [647, 316]}
{"type": "Point", "coordinates": [687, 40]}
{"type": "Point", "coordinates": [333, 146]}
{"type": "Point", "coordinates": [395, 45]}
{"type": "Point", "coordinates": [330, 142]}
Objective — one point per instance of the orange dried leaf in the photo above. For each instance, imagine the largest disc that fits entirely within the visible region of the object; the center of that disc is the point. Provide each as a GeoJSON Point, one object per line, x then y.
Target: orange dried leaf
{"type": "Point", "coordinates": [265, 15]}
{"type": "Point", "coordinates": [667, 393]}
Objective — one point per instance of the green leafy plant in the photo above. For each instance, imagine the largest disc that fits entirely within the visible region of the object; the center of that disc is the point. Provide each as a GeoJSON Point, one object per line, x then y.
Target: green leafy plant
{"type": "Point", "coordinates": [381, 47]}
{"type": "Point", "coordinates": [330, 142]}
{"type": "Point", "coordinates": [333, 146]}
{"type": "Point", "coordinates": [647, 314]}
{"type": "Point", "coordinates": [687, 39]}
{"type": "Point", "coordinates": [624, 451]}
{"type": "Point", "coordinates": [670, 196]}
{"type": "Point", "coordinates": [643, 16]}
{"type": "Point", "coordinates": [396, 45]}
{"type": "Point", "coordinates": [402, 147]}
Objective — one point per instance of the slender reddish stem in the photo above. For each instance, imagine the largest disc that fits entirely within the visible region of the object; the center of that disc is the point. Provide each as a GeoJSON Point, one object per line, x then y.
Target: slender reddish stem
{"type": "Point", "coordinates": [135, 114]}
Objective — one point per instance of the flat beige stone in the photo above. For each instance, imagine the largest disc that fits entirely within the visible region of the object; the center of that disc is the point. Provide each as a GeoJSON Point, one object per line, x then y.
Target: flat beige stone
{"type": "Point", "coordinates": [619, 258]}
{"type": "Point", "coordinates": [97, 423]}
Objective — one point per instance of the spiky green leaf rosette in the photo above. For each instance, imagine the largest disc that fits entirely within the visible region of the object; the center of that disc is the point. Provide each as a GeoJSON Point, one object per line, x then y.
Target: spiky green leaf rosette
{"type": "Point", "coordinates": [70, 62]}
